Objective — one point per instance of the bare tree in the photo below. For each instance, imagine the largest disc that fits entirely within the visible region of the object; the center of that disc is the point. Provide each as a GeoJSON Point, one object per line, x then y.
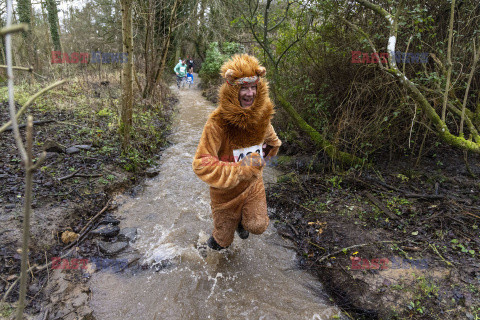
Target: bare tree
{"type": "Point", "coordinates": [53, 22]}
{"type": "Point", "coordinates": [257, 18]}
{"type": "Point", "coordinates": [418, 92]}
{"type": "Point", "coordinates": [157, 47]}
{"type": "Point", "coordinates": [127, 74]}
{"type": "Point", "coordinates": [25, 154]}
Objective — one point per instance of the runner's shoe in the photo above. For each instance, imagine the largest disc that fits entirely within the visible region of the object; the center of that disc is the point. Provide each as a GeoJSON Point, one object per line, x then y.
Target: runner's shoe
{"type": "Point", "coordinates": [242, 233]}
{"type": "Point", "coordinates": [212, 243]}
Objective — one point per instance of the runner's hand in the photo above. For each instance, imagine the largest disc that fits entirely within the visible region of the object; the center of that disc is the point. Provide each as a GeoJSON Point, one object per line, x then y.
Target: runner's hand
{"type": "Point", "coordinates": [253, 159]}
{"type": "Point", "coordinates": [266, 149]}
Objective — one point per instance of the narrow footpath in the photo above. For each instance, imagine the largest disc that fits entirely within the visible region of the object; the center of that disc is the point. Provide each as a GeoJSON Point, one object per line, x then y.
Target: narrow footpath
{"type": "Point", "coordinates": [255, 278]}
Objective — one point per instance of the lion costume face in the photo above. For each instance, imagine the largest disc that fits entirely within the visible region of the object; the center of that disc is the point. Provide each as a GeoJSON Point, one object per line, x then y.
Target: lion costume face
{"type": "Point", "coordinates": [236, 189]}
{"type": "Point", "coordinates": [247, 68]}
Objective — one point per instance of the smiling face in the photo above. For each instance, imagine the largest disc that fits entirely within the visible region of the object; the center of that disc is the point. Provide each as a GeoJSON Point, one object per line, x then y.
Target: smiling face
{"type": "Point", "coordinates": [246, 94]}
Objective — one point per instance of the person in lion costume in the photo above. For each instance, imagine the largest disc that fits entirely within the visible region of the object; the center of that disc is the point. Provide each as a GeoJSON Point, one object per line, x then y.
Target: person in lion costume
{"type": "Point", "coordinates": [236, 140]}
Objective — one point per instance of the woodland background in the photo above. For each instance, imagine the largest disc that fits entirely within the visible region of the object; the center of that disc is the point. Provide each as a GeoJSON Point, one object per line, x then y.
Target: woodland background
{"type": "Point", "coordinates": [378, 149]}
{"type": "Point", "coordinates": [362, 109]}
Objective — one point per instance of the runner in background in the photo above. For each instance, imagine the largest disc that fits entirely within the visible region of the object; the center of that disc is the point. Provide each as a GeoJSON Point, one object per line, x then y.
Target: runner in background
{"type": "Point", "coordinates": [190, 64]}
{"type": "Point", "coordinates": [181, 72]}
{"type": "Point", "coordinates": [189, 79]}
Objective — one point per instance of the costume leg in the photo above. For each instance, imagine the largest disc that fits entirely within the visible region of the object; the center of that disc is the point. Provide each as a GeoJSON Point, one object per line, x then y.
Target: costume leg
{"type": "Point", "coordinates": [225, 222]}
{"type": "Point", "coordinates": [254, 211]}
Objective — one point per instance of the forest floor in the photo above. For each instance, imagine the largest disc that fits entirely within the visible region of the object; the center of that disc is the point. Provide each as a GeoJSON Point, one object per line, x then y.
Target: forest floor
{"type": "Point", "coordinates": [84, 167]}
{"type": "Point", "coordinates": [396, 242]}
{"type": "Point", "coordinates": [399, 241]}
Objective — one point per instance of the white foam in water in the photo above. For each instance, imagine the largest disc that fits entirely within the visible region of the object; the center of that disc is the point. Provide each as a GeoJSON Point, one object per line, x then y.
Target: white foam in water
{"type": "Point", "coordinates": [164, 252]}
{"type": "Point", "coordinates": [255, 278]}
{"type": "Point", "coordinates": [161, 250]}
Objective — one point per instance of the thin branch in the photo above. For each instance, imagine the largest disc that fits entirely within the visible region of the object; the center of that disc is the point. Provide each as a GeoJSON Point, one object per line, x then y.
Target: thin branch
{"type": "Point", "coordinates": [26, 219]}
{"type": "Point", "coordinates": [37, 123]}
{"type": "Point", "coordinates": [35, 268]}
{"type": "Point", "coordinates": [30, 69]}
{"type": "Point", "coordinates": [358, 29]}
{"type": "Point", "coordinates": [11, 101]}
{"type": "Point", "coordinates": [15, 28]}
{"type": "Point", "coordinates": [283, 19]}
{"type": "Point", "coordinates": [68, 176]}
{"type": "Point", "coordinates": [84, 230]}
{"type": "Point", "coordinates": [251, 26]}
{"type": "Point", "coordinates": [406, 52]}
{"type": "Point", "coordinates": [29, 102]}
{"type": "Point", "coordinates": [265, 24]}
{"type": "Point", "coordinates": [292, 44]}
{"type": "Point", "coordinates": [467, 119]}
{"type": "Point", "coordinates": [353, 247]}
{"type": "Point", "coordinates": [377, 9]}
{"type": "Point", "coordinates": [476, 57]}
{"type": "Point", "coordinates": [449, 60]}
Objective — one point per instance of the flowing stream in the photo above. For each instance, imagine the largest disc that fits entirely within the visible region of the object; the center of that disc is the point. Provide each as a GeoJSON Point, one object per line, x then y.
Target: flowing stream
{"type": "Point", "coordinates": [255, 278]}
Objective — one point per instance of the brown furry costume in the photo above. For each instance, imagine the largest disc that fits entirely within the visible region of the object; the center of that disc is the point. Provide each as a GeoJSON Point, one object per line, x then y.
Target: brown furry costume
{"type": "Point", "coordinates": [236, 188]}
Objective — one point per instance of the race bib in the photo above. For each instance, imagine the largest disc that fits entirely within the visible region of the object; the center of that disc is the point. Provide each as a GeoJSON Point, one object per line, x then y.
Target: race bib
{"type": "Point", "coordinates": [239, 154]}
{"type": "Point", "coordinates": [182, 69]}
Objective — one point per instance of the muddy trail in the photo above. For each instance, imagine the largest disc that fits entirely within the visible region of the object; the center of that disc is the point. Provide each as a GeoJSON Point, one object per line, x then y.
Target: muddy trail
{"type": "Point", "coordinates": [257, 278]}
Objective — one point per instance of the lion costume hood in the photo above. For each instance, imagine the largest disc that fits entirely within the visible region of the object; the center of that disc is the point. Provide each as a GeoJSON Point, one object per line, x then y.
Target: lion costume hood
{"type": "Point", "coordinates": [244, 125]}
{"type": "Point", "coordinates": [236, 185]}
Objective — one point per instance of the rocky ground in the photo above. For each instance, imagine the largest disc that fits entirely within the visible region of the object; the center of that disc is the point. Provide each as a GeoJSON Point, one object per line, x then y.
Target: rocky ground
{"type": "Point", "coordinates": [85, 167]}
{"type": "Point", "coordinates": [400, 240]}
{"type": "Point", "coordinates": [395, 242]}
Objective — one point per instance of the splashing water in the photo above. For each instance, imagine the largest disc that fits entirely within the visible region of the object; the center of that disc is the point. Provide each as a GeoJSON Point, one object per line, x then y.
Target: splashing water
{"type": "Point", "coordinates": [255, 278]}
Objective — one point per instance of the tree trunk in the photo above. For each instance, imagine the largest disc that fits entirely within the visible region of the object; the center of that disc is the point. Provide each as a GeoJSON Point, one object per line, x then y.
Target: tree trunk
{"type": "Point", "coordinates": [53, 22]}
{"type": "Point", "coordinates": [127, 74]}
{"type": "Point", "coordinates": [269, 55]}
{"type": "Point", "coordinates": [162, 61]}
{"type": "Point", "coordinates": [317, 138]}
{"type": "Point", "coordinates": [24, 8]}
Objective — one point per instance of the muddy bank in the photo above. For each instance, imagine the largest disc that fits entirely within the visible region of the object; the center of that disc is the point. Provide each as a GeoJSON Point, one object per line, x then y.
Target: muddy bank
{"type": "Point", "coordinates": [256, 278]}
{"type": "Point", "coordinates": [84, 168]}
{"type": "Point", "coordinates": [401, 241]}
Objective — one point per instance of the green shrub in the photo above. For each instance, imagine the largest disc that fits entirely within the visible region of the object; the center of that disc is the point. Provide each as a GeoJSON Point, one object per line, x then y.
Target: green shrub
{"type": "Point", "coordinates": [215, 58]}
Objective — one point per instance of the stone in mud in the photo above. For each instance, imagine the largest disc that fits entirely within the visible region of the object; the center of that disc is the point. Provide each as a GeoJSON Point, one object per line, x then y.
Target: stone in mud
{"type": "Point", "coordinates": [110, 220]}
{"type": "Point", "coordinates": [107, 231]}
{"type": "Point", "coordinates": [152, 172]}
{"type": "Point", "coordinates": [111, 248]}
{"type": "Point", "coordinates": [164, 264]}
{"type": "Point", "coordinates": [72, 150]}
{"type": "Point", "coordinates": [83, 146]}
{"type": "Point", "coordinates": [33, 288]}
{"type": "Point", "coordinates": [85, 312]}
{"type": "Point", "coordinates": [52, 146]}
{"type": "Point", "coordinates": [51, 155]}
{"type": "Point", "coordinates": [128, 234]}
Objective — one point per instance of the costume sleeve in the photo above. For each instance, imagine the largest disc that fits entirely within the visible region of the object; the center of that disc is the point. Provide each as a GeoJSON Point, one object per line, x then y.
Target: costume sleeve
{"type": "Point", "coordinates": [272, 140]}
{"type": "Point", "coordinates": [176, 68]}
{"type": "Point", "coordinates": [219, 174]}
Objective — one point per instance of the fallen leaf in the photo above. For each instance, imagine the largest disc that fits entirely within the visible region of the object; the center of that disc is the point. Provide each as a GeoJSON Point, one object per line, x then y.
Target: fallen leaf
{"type": "Point", "coordinates": [69, 236]}
{"type": "Point", "coordinates": [12, 277]}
